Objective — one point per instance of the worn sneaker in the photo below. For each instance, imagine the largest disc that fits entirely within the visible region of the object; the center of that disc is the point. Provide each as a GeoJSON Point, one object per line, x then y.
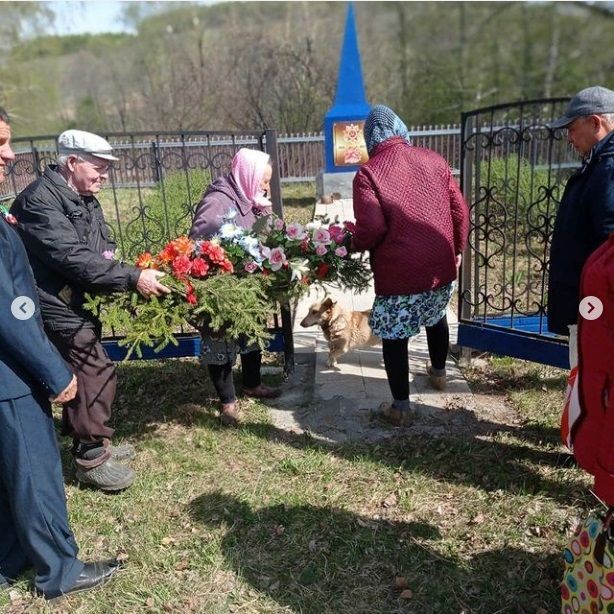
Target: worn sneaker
{"type": "Point", "coordinates": [230, 414]}
{"type": "Point", "coordinates": [122, 452]}
{"type": "Point", "coordinates": [110, 476]}
{"type": "Point", "coordinates": [437, 377]}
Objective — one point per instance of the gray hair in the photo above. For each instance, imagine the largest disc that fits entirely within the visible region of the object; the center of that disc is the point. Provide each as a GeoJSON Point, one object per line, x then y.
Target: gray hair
{"type": "Point", "coordinates": [608, 118]}
{"type": "Point", "coordinates": [62, 159]}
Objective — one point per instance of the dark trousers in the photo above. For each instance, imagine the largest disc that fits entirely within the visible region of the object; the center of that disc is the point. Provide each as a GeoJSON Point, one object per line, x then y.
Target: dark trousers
{"type": "Point", "coordinates": [85, 417]}
{"type": "Point", "coordinates": [221, 376]}
{"type": "Point", "coordinates": [396, 357]}
{"type": "Point", "coordinates": [34, 529]}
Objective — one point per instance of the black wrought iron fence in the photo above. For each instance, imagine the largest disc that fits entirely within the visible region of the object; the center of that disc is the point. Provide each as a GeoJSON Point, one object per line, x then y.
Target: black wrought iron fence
{"type": "Point", "coordinates": [300, 156]}
{"type": "Point", "coordinates": [513, 173]}
{"type": "Point", "coordinates": [153, 191]}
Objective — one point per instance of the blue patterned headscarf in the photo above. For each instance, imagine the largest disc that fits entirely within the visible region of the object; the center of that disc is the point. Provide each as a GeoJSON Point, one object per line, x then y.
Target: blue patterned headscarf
{"type": "Point", "coordinates": [383, 123]}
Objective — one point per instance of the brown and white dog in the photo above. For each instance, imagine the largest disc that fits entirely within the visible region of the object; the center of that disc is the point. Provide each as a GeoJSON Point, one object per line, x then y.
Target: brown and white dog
{"type": "Point", "coordinates": [344, 330]}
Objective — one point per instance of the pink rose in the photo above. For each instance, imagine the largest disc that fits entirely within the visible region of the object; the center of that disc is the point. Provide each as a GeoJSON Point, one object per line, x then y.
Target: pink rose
{"type": "Point", "coordinates": [278, 224]}
{"type": "Point", "coordinates": [295, 232]}
{"type": "Point", "coordinates": [337, 234]}
{"type": "Point", "coordinates": [250, 266]}
{"type": "Point", "coordinates": [277, 259]}
{"type": "Point", "coordinates": [342, 252]}
{"type": "Point", "coordinates": [321, 250]}
{"type": "Point", "coordinates": [322, 236]}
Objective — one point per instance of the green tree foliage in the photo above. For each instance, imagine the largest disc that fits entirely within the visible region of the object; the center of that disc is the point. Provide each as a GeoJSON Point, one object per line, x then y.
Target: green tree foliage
{"type": "Point", "coordinates": [252, 65]}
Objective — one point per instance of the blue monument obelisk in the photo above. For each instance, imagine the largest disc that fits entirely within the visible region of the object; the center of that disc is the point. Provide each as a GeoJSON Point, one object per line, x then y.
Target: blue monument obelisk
{"type": "Point", "coordinates": [343, 124]}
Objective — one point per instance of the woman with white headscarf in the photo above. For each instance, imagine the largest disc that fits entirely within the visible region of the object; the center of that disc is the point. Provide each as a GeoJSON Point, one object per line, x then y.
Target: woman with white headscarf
{"type": "Point", "coordinates": [412, 218]}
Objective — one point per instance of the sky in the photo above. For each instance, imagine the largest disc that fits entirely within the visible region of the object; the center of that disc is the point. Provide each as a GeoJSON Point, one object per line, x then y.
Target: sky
{"type": "Point", "coordinates": [93, 16]}
{"type": "Point", "coordinates": [89, 16]}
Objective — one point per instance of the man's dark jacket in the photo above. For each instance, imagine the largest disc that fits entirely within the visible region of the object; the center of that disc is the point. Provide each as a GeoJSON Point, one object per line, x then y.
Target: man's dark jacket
{"type": "Point", "coordinates": [66, 236]}
{"type": "Point", "coordinates": [29, 363]}
{"type": "Point", "coordinates": [583, 222]}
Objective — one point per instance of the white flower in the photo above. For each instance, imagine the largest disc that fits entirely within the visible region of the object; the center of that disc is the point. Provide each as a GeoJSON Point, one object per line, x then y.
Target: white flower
{"type": "Point", "coordinates": [230, 231]}
{"type": "Point", "coordinates": [251, 245]}
{"type": "Point", "coordinates": [299, 268]}
{"type": "Point", "coordinates": [313, 225]}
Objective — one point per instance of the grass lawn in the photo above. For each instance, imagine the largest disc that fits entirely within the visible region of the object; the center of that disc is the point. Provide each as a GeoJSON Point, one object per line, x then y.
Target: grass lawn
{"type": "Point", "coordinates": [257, 520]}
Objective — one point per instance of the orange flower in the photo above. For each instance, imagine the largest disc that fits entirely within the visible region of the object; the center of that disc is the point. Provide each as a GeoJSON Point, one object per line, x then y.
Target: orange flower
{"type": "Point", "coordinates": [145, 261]}
{"type": "Point", "coordinates": [168, 254]}
{"type": "Point", "coordinates": [183, 246]}
{"type": "Point", "coordinates": [227, 266]}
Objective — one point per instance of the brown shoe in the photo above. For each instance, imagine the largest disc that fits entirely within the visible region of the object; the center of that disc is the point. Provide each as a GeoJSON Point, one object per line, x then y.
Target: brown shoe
{"type": "Point", "coordinates": [230, 414]}
{"type": "Point", "coordinates": [438, 382]}
{"type": "Point", "coordinates": [262, 392]}
{"type": "Point", "coordinates": [392, 415]}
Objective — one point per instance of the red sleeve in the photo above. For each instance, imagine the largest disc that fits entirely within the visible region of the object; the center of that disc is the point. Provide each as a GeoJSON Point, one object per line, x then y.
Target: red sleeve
{"type": "Point", "coordinates": [371, 224]}
{"type": "Point", "coordinates": [460, 216]}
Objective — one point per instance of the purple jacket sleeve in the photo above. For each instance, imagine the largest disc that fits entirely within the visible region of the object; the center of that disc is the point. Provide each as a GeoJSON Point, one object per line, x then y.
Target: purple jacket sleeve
{"type": "Point", "coordinates": [209, 215]}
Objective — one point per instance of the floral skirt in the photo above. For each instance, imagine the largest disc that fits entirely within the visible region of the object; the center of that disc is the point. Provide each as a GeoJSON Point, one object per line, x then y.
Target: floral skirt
{"type": "Point", "coordinates": [400, 317]}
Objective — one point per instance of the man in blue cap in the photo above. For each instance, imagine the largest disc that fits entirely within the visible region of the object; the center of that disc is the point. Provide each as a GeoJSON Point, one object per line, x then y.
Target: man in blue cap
{"type": "Point", "coordinates": [34, 530]}
{"type": "Point", "coordinates": [586, 213]}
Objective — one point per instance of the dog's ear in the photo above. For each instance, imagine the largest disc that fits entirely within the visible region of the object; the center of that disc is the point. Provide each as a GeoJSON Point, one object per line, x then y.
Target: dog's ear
{"type": "Point", "coordinates": [328, 302]}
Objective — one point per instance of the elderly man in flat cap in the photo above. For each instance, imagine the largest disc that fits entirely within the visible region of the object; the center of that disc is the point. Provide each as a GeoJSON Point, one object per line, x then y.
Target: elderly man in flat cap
{"type": "Point", "coordinates": [586, 213]}
{"type": "Point", "coordinates": [62, 226]}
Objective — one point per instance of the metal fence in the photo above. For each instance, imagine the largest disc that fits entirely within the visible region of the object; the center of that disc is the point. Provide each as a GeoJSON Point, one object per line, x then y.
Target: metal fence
{"type": "Point", "coordinates": [152, 194]}
{"type": "Point", "coordinates": [146, 157]}
{"type": "Point", "coordinates": [513, 173]}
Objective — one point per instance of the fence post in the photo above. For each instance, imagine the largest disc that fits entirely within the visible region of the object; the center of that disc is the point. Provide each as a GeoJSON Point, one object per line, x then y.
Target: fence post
{"type": "Point", "coordinates": [278, 208]}
{"type": "Point", "coordinates": [272, 150]}
{"type": "Point", "coordinates": [465, 280]}
{"type": "Point", "coordinates": [157, 165]}
{"type": "Point", "coordinates": [37, 162]}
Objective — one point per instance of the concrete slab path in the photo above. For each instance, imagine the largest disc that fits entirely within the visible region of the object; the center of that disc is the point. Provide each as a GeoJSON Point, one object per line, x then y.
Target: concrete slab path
{"type": "Point", "coordinates": [335, 404]}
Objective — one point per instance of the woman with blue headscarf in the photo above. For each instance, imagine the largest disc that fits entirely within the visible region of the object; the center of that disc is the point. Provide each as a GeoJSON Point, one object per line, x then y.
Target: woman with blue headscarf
{"type": "Point", "coordinates": [412, 218]}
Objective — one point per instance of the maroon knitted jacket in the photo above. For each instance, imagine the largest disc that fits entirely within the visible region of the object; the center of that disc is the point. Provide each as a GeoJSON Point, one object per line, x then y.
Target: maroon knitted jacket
{"type": "Point", "coordinates": [412, 217]}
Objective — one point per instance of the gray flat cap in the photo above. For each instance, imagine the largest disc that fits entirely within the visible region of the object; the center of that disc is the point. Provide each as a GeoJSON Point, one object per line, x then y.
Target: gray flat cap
{"type": "Point", "coordinates": [79, 141]}
{"type": "Point", "coordinates": [594, 100]}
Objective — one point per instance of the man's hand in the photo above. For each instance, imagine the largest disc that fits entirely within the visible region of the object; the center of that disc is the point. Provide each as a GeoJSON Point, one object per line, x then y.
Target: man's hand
{"type": "Point", "coordinates": [459, 259]}
{"type": "Point", "coordinates": [148, 284]}
{"type": "Point", "coordinates": [68, 394]}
